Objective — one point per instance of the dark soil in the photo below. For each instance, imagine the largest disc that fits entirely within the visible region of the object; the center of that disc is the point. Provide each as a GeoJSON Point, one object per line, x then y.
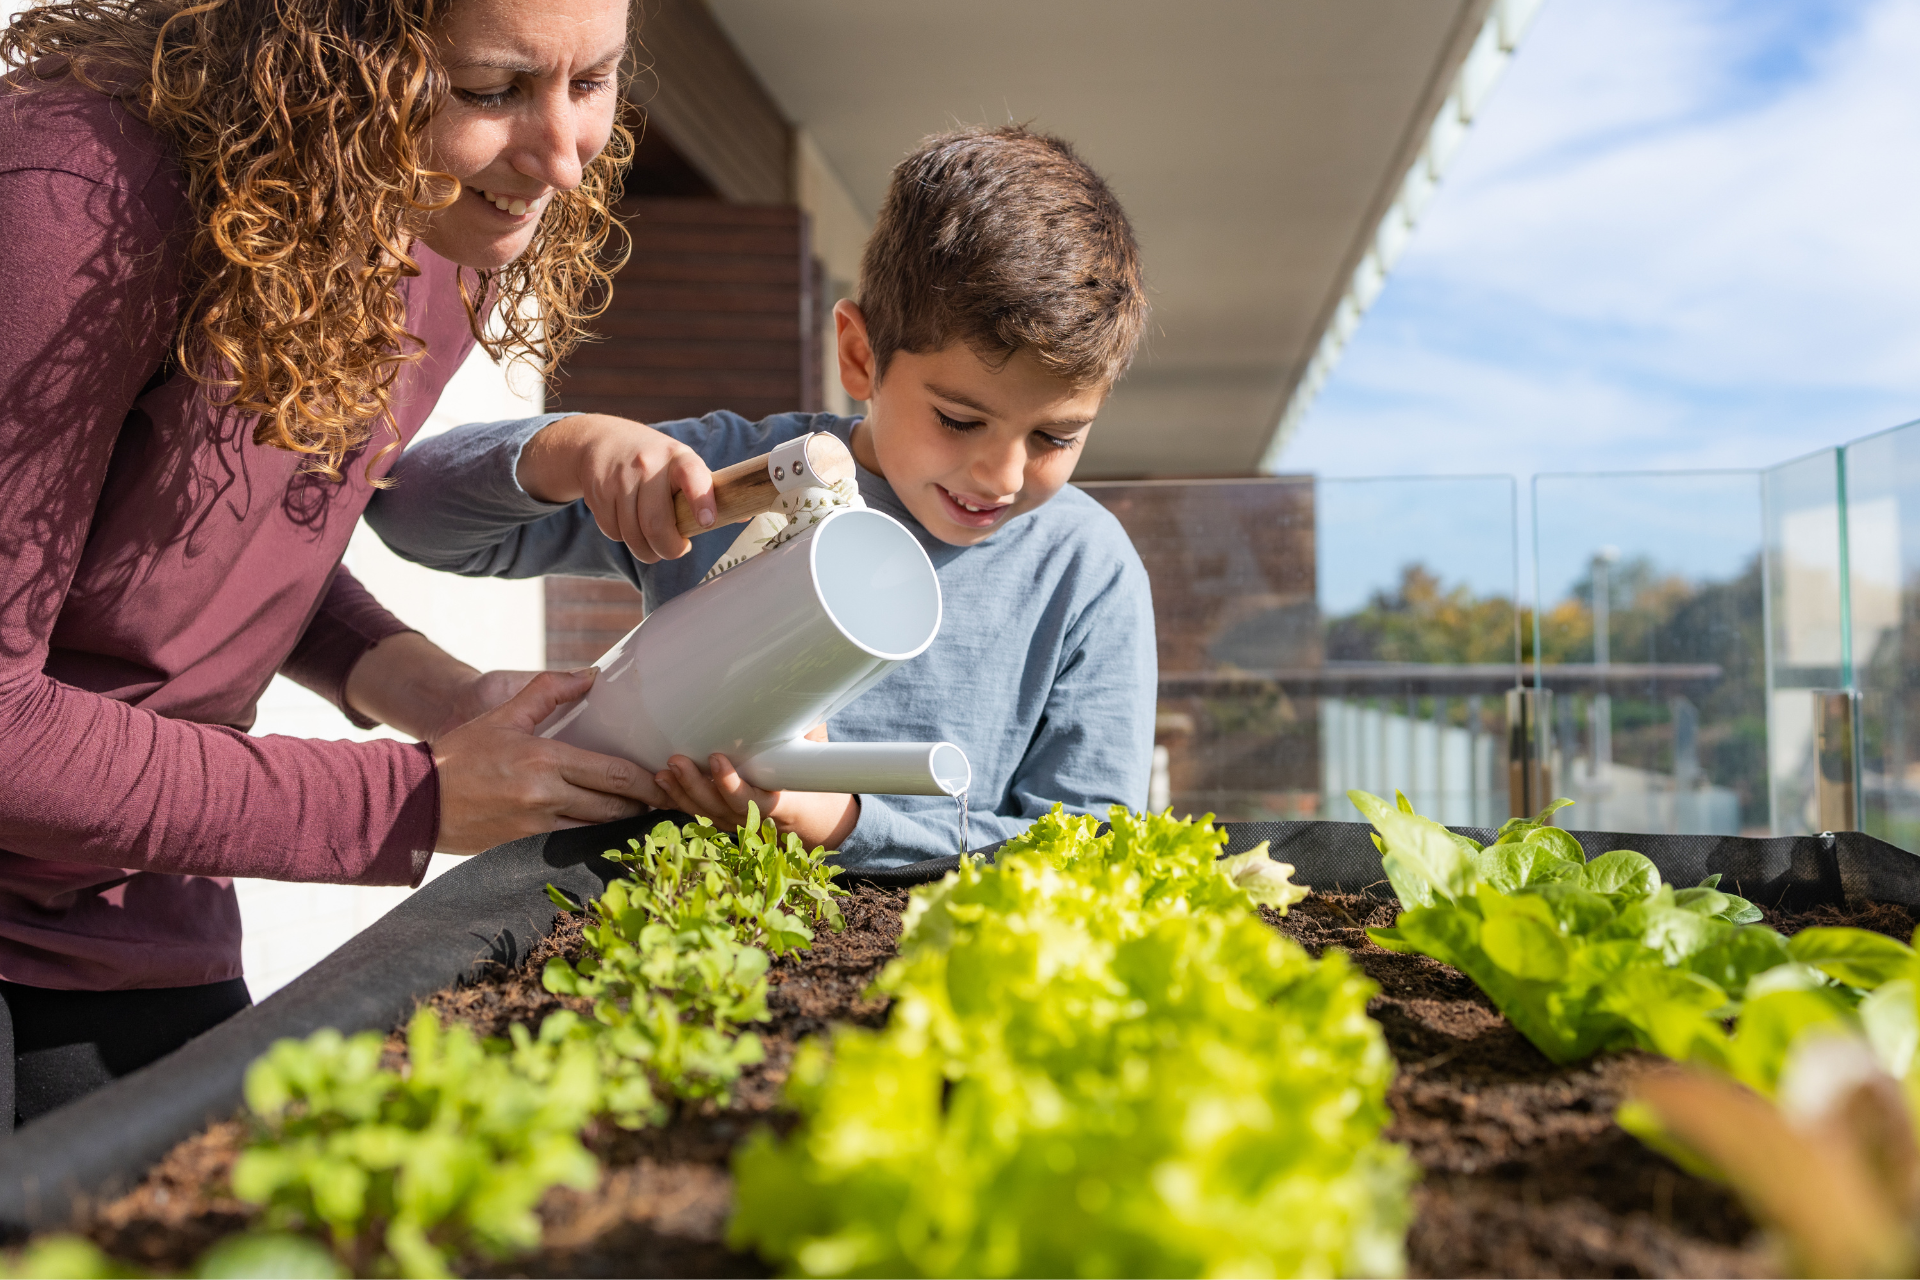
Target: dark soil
{"type": "Point", "coordinates": [662, 1208]}
{"type": "Point", "coordinates": [1525, 1172]}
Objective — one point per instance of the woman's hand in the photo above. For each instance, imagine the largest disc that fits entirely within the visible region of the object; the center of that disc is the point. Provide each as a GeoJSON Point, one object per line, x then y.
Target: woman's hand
{"type": "Point", "coordinates": [627, 472]}
{"type": "Point", "coordinates": [411, 683]}
{"type": "Point", "coordinates": [479, 695]}
{"type": "Point", "coordinates": [819, 818]}
{"type": "Point", "coordinates": [499, 782]}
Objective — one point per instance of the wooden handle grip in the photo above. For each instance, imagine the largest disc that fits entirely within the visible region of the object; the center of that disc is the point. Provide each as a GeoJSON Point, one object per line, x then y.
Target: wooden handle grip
{"type": "Point", "coordinates": [745, 489]}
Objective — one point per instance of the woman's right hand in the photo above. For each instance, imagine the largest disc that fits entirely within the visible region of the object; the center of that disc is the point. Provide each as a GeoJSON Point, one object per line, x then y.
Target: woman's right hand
{"type": "Point", "coordinates": [627, 472]}
{"type": "Point", "coordinates": [499, 781]}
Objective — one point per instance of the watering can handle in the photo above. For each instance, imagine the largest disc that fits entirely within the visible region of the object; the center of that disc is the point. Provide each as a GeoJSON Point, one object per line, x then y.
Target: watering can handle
{"type": "Point", "coordinates": [745, 489]}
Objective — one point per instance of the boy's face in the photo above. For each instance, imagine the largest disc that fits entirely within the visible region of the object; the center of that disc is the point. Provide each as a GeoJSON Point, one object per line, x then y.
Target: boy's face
{"type": "Point", "coordinates": [966, 446]}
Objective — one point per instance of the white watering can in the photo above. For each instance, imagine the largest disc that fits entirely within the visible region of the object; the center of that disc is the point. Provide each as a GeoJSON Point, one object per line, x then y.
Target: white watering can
{"type": "Point", "coordinates": [750, 660]}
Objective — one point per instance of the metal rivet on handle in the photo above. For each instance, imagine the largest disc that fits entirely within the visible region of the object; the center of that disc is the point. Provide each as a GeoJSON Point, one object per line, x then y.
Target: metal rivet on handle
{"type": "Point", "coordinates": [779, 473]}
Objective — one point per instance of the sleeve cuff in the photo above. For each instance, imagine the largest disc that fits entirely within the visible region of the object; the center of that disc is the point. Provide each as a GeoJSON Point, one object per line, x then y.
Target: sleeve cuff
{"type": "Point", "coordinates": [410, 840]}
{"type": "Point", "coordinates": [514, 436]}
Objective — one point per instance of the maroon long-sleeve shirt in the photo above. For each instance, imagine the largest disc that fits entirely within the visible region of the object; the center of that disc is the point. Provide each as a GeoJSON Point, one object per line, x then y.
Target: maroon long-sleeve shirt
{"type": "Point", "coordinates": [156, 569]}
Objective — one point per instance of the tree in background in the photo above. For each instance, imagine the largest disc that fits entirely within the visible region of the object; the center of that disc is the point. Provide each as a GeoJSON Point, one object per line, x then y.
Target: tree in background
{"type": "Point", "coordinates": [1656, 617]}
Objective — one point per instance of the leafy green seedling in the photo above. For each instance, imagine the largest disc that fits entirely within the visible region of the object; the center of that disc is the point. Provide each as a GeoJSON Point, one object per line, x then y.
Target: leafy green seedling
{"type": "Point", "coordinates": [449, 1157]}
{"type": "Point", "coordinates": [1099, 1061]}
{"type": "Point", "coordinates": [1581, 955]}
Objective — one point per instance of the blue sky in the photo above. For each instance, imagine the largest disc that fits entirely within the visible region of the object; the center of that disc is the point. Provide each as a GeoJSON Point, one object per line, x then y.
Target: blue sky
{"type": "Point", "coordinates": [1680, 235]}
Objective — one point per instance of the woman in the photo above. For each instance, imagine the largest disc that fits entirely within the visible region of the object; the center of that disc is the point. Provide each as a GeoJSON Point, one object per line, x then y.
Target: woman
{"type": "Point", "coordinates": [246, 244]}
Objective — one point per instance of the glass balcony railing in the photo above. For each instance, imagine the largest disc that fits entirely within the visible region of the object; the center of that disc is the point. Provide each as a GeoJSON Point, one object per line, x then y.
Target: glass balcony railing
{"type": "Point", "coordinates": [1318, 635]}
{"type": "Point", "coordinates": [1809, 664]}
{"type": "Point", "coordinates": [1650, 636]}
{"type": "Point", "coordinates": [1878, 481]}
{"type": "Point", "coordinates": [1709, 652]}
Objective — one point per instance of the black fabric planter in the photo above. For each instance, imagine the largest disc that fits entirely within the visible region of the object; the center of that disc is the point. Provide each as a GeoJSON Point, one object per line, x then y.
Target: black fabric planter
{"type": "Point", "coordinates": [1789, 872]}
{"type": "Point", "coordinates": [494, 908]}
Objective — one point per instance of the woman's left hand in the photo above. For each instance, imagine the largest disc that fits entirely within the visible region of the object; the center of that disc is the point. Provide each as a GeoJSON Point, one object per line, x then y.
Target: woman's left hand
{"type": "Point", "coordinates": [720, 794]}
{"type": "Point", "coordinates": [479, 695]}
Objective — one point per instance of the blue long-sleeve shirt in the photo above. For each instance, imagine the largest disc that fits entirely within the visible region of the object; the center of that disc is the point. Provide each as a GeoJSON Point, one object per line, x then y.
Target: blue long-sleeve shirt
{"type": "Point", "coordinates": [1044, 670]}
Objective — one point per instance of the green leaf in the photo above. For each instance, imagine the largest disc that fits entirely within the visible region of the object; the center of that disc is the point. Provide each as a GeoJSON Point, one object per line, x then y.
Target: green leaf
{"type": "Point", "coordinates": [1735, 959]}
{"type": "Point", "coordinates": [1266, 882]}
{"type": "Point", "coordinates": [1521, 828]}
{"type": "Point", "coordinates": [1892, 1023]}
{"type": "Point", "coordinates": [1448, 934]}
{"type": "Point", "coordinates": [1857, 957]}
{"type": "Point", "coordinates": [1675, 933]}
{"type": "Point", "coordinates": [1559, 844]}
{"type": "Point", "coordinates": [1622, 872]}
{"type": "Point", "coordinates": [1423, 860]}
{"type": "Point", "coordinates": [1702, 902]}
{"type": "Point", "coordinates": [1668, 1008]}
{"type": "Point", "coordinates": [1518, 864]}
{"type": "Point", "coordinates": [66, 1257]}
{"type": "Point", "coordinates": [1769, 1026]}
{"type": "Point", "coordinates": [270, 1255]}
{"type": "Point", "coordinates": [1525, 947]}
{"type": "Point", "coordinates": [339, 1192]}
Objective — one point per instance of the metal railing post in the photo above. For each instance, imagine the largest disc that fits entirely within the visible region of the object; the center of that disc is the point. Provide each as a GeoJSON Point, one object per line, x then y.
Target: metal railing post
{"type": "Point", "coordinates": [1529, 769]}
{"type": "Point", "coordinates": [1836, 749]}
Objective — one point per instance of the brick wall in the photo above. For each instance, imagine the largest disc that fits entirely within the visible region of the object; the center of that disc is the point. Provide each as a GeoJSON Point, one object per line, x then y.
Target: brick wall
{"type": "Point", "coordinates": [717, 309]}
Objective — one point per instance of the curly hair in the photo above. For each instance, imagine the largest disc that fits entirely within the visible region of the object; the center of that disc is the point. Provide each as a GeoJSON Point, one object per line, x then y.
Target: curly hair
{"type": "Point", "coordinates": [299, 125]}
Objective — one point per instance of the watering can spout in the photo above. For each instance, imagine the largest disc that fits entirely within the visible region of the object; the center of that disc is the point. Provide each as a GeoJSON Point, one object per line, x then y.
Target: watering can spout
{"type": "Point", "coordinates": [879, 768]}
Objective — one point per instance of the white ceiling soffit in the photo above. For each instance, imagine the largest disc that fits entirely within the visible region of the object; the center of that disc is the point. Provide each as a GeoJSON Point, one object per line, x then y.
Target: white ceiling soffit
{"type": "Point", "coordinates": [1492, 50]}
{"type": "Point", "coordinates": [1257, 145]}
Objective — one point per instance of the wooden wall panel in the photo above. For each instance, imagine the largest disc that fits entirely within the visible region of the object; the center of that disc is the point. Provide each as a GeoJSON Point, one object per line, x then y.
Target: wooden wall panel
{"type": "Point", "coordinates": [698, 91]}
{"type": "Point", "coordinates": [717, 309]}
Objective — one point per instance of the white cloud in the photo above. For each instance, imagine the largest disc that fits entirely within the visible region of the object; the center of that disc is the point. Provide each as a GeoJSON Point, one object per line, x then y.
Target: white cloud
{"type": "Point", "coordinates": [1680, 235]}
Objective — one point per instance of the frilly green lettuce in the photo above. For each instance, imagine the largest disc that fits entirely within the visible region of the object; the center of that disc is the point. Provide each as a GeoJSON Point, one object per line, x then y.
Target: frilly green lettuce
{"type": "Point", "coordinates": [1099, 1061]}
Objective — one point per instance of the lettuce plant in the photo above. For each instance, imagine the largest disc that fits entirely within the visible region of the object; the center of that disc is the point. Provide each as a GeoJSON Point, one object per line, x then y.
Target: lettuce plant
{"type": "Point", "coordinates": [405, 1169]}
{"type": "Point", "coordinates": [677, 957]}
{"type": "Point", "coordinates": [1099, 1061]}
{"type": "Point", "coordinates": [1579, 955]}
{"type": "Point", "coordinates": [450, 1156]}
{"type": "Point", "coordinates": [1808, 1111]}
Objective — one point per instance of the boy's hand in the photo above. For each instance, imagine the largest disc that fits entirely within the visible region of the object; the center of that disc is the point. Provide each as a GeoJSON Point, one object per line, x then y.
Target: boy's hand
{"type": "Point", "coordinates": [819, 818]}
{"type": "Point", "coordinates": [627, 472]}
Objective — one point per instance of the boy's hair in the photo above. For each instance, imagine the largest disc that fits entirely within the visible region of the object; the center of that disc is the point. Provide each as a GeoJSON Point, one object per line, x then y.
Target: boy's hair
{"type": "Point", "coordinates": [1004, 239]}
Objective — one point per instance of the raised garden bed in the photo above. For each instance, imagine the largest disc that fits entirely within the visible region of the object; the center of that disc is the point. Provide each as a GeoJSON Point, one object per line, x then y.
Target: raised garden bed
{"type": "Point", "coordinates": [661, 1209]}
{"type": "Point", "coordinates": [1525, 1171]}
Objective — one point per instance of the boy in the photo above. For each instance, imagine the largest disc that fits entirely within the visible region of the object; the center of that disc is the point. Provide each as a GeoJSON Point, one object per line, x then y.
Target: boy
{"type": "Point", "coordinates": [1000, 300]}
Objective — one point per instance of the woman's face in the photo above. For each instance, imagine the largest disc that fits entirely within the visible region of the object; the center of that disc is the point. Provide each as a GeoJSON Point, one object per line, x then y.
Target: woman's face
{"type": "Point", "coordinates": [534, 90]}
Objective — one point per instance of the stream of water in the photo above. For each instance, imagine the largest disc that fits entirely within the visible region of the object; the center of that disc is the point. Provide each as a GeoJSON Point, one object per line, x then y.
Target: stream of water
{"type": "Point", "coordinates": [960, 798]}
